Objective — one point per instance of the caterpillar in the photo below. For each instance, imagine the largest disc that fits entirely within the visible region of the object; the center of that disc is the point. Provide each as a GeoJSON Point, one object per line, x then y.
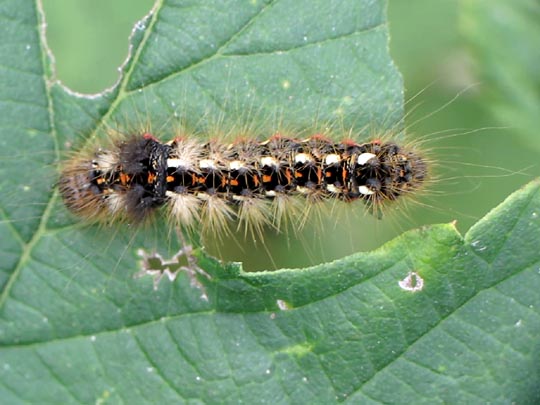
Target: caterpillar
{"type": "Point", "coordinates": [247, 181]}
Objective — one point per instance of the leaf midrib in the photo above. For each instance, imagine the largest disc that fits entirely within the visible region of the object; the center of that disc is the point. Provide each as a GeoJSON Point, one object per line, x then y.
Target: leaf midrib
{"type": "Point", "coordinates": [26, 248]}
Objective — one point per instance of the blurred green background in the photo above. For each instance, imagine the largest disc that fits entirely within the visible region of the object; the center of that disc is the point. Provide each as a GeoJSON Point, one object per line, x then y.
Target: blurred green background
{"type": "Point", "coordinates": [486, 52]}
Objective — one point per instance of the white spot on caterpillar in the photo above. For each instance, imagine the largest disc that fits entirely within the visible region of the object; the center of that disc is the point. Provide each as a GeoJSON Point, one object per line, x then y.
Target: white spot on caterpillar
{"type": "Point", "coordinates": [365, 190]}
{"type": "Point", "coordinates": [413, 282]}
{"type": "Point", "coordinates": [175, 162]}
{"type": "Point", "coordinates": [185, 153]}
{"type": "Point", "coordinates": [331, 159]}
{"type": "Point", "coordinates": [364, 158]}
{"type": "Point", "coordinates": [302, 158]}
{"type": "Point", "coordinates": [236, 165]}
{"type": "Point", "coordinates": [333, 189]}
{"type": "Point", "coordinates": [269, 161]}
{"type": "Point", "coordinates": [207, 164]}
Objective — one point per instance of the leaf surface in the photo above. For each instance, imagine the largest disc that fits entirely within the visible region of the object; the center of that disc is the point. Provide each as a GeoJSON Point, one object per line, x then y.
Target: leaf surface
{"type": "Point", "coordinates": [75, 326]}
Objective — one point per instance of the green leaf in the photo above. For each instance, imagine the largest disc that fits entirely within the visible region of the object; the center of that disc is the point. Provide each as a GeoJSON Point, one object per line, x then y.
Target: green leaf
{"type": "Point", "coordinates": [504, 38]}
{"type": "Point", "coordinates": [75, 326]}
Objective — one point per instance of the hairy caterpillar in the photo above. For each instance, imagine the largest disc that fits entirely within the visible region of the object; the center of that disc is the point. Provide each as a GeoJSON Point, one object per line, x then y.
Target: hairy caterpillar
{"type": "Point", "coordinates": [248, 181]}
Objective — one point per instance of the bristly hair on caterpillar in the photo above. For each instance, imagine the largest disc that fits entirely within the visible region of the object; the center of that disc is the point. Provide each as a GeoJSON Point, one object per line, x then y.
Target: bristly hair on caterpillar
{"type": "Point", "coordinates": [207, 185]}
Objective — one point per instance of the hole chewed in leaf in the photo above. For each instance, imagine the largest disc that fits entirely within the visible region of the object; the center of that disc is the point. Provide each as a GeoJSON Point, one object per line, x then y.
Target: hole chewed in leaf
{"type": "Point", "coordinates": [413, 282]}
{"type": "Point", "coordinates": [157, 267]}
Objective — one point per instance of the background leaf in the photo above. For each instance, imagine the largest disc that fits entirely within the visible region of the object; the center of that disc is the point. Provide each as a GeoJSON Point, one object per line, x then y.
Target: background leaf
{"type": "Point", "coordinates": [72, 314]}
{"type": "Point", "coordinates": [504, 38]}
{"type": "Point", "coordinates": [441, 59]}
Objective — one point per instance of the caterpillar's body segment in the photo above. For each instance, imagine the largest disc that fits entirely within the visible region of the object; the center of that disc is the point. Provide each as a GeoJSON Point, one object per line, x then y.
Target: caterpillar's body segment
{"type": "Point", "coordinates": [248, 180]}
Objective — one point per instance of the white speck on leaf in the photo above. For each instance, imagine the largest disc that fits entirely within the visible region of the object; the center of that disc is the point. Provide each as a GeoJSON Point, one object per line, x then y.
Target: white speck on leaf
{"type": "Point", "coordinates": [477, 245]}
{"type": "Point", "coordinates": [282, 305]}
{"type": "Point", "coordinates": [93, 338]}
{"type": "Point", "coordinates": [150, 369]}
{"type": "Point", "coordinates": [413, 282]}
{"type": "Point", "coordinates": [518, 323]}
